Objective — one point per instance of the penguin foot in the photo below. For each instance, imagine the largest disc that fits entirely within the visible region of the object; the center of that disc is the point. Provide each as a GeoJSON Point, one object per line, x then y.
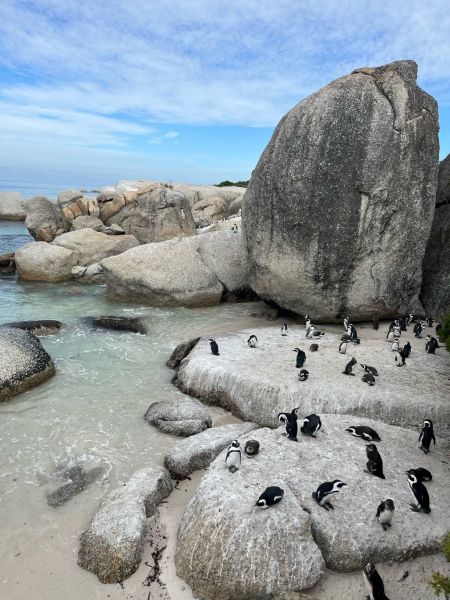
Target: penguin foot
{"type": "Point", "coordinates": [331, 507]}
{"type": "Point", "coordinates": [384, 526]}
{"type": "Point", "coordinates": [414, 508]}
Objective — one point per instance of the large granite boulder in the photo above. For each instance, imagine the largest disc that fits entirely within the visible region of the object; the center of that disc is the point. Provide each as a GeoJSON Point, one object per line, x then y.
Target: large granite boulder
{"type": "Point", "coordinates": [11, 206]}
{"type": "Point", "coordinates": [242, 552]}
{"type": "Point", "coordinates": [74, 205]}
{"type": "Point", "coordinates": [91, 246]}
{"type": "Point", "coordinates": [180, 416]}
{"type": "Point", "coordinates": [44, 219]}
{"type": "Point", "coordinates": [435, 294]}
{"type": "Point", "coordinates": [23, 362]}
{"type": "Point", "coordinates": [198, 451]}
{"type": "Point", "coordinates": [39, 327]}
{"type": "Point", "coordinates": [111, 547]}
{"type": "Point", "coordinates": [87, 222]}
{"type": "Point", "coordinates": [40, 261]}
{"type": "Point", "coordinates": [210, 203]}
{"type": "Point", "coordinates": [338, 211]}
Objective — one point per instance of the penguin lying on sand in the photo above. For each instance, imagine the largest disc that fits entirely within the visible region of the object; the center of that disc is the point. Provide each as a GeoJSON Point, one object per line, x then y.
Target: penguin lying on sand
{"type": "Point", "coordinates": [368, 378]}
{"type": "Point", "coordinates": [370, 370]}
{"type": "Point", "coordinates": [364, 432]}
{"type": "Point", "coordinates": [374, 583]}
{"type": "Point", "coordinates": [349, 367]}
{"type": "Point", "coordinates": [385, 512]}
{"type": "Point", "coordinates": [271, 495]}
{"type": "Point", "coordinates": [289, 420]}
{"type": "Point", "coordinates": [313, 332]}
{"type": "Point", "coordinates": [314, 347]}
{"type": "Point", "coordinates": [303, 375]}
{"type": "Point", "coordinates": [374, 463]}
{"type": "Point", "coordinates": [420, 494]}
{"type": "Point", "coordinates": [311, 425]}
{"type": "Point", "coordinates": [426, 436]}
{"type": "Point", "coordinates": [233, 456]}
{"type": "Point", "coordinates": [324, 491]}
{"type": "Point", "coordinates": [421, 474]}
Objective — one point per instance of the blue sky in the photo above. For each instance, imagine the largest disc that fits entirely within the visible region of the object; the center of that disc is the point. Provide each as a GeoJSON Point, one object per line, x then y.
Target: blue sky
{"type": "Point", "coordinates": [187, 90]}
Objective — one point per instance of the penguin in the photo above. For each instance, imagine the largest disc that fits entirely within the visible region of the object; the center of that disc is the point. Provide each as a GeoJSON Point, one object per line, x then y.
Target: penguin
{"type": "Point", "coordinates": [351, 330]}
{"type": "Point", "coordinates": [346, 322]}
{"type": "Point", "coordinates": [313, 332]}
{"type": "Point", "coordinates": [431, 345]}
{"type": "Point", "coordinates": [421, 474]}
{"type": "Point", "coordinates": [289, 420]}
{"type": "Point", "coordinates": [303, 375]}
{"type": "Point", "coordinates": [301, 357]}
{"type": "Point", "coordinates": [395, 345]}
{"type": "Point", "coordinates": [420, 493]}
{"type": "Point", "coordinates": [324, 491]}
{"type": "Point", "coordinates": [346, 338]}
{"type": "Point", "coordinates": [426, 435]}
{"type": "Point", "coordinates": [311, 425]}
{"type": "Point", "coordinates": [364, 432]}
{"type": "Point", "coordinates": [429, 321]}
{"type": "Point", "coordinates": [251, 448]}
{"type": "Point", "coordinates": [314, 347]}
{"type": "Point", "coordinates": [233, 456]}
{"type": "Point", "coordinates": [391, 326]}
{"type": "Point", "coordinates": [214, 346]}
{"type": "Point", "coordinates": [284, 329]}
{"type": "Point", "coordinates": [385, 512]}
{"type": "Point", "coordinates": [409, 319]}
{"type": "Point", "coordinates": [343, 347]}
{"type": "Point", "coordinates": [406, 350]}
{"type": "Point", "coordinates": [234, 228]}
{"type": "Point", "coordinates": [252, 341]}
{"type": "Point", "coordinates": [374, 583]}
{"type": "Point", "coordinates": [374, 463]}
{"type": "Point", "coordinates": [349, 366]}
{"type": "Point", "coordinates": [376, 323]}
{"type": "Point", "coordinates": [397, 331]}
{"type": "Point", "coordinates": [400, 358]}
{"type": "Point", "coordinates": [270, 496]}
{"type": "Point", "coordinates": [402, 323]}
{"type": "Point", "coordinates": [307, 322]}
{"type": "Point", "coordinates": [418, 328]}
{"type": "Point", "coordinates": [370, 370]}
{"type": "Point", "coordinates": [368, 378]}
{"type": "Point", "coordinates": [390, 336]}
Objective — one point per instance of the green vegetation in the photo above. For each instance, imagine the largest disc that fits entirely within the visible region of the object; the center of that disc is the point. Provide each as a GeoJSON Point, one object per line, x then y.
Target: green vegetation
{"type": "Point", "coordinates": [444, 337]}
{"type": "Point", "coordinates": [441, 583]}
{"type": "Point", "coordinates": [227, 183]}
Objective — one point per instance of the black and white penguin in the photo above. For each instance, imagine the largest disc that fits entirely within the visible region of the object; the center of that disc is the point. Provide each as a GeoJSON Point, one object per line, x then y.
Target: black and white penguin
{"type": "Point", "coordinates": [374, 462]}
{"type": "Point", "coordinates": [343, 347]}
{"type": "Point", "coordinates": [252, 341]}
{"type": "Point", "coordinates": [364, 432]}
{"type": "Point", "coordinates": [303, 375]}
{"type": "Point", "coordinates": [289, 420]}
{"type": "Point", "coordinates": [307, 322]}
{"type": "Point", "coordinates": [409, 319]}
{"type": "Point", "coordinates": [251, 448]}
{"type": "Point", "coordinates": [301, 357]}
{"type": "Point", "coordinates": [373, 582]}
{"type": "Point", "coordinates": [214, 346]}
{"type": "Point", "coordinates": [349, 366]}
{"type": "Point", "coordinates": [406, 350]}
{"type": "Point", "coordinates": [314, 347]}
{"type": "Point", "coordinates": [395, 344]}
{"type": "Point", "coordinates": [400, 358]}
{"type": "Point", "coordinates": [284, 329]}
{"type": "Point", "coordinates": [385, 512]}
{"type": "Point", "coordinates": [311, 425]}
{"type": "Point", "coordinates": [233, 456]}
{"type": "Point", "coordinates": [234, 228]}
{"type": "Point", "coordinates": [323, 493]}
{"type": "Point", "coordinates": [351, 331]}
{"type": "Point", "coordinates": [397, 331]}
{"type": "Point", "coordinates": [426, 435]}
{"type": "Point", "coordinates": [368, 378]}
{"type": "Point", "coordinates": [376, 323]}
{"type": "Point", "coordinates": [421, 474]}
{"type": "Point", "coordinates": [313, 332]}
{"type": "Point", "coordinates": [431, 344]}
{"type": "Point", "coordinates": [270, 496]}
{"type": "Point", "coordinates": [429, 321]}
{"type": "Point", "coordinates": [420, 493]}
{"type": "Point", "coordinates": [370, 370]}
{"type": "Point", "coordinates": [402, 324]}
{"type": "Point", "coordinates": [390, 336]}
{"type": "Point", "coordinates": [346, 323]}
{"type": "Point", "coordinates": [418, 328]}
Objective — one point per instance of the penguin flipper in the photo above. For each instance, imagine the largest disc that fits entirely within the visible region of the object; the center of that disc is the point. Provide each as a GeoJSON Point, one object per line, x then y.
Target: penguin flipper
{"type": "Point", "coordinates": [434, 439]}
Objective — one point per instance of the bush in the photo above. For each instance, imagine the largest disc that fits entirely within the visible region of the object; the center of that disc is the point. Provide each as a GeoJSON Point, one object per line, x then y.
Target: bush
{"type": "Point", "coordinates": [444, 332]}
{"type": "Point", "coordinates": [441, 583]}
{"type": "Point", "coordinates": [227, 183]}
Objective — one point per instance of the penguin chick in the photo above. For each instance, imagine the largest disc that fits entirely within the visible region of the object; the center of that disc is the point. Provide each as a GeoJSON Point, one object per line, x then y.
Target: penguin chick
{"type": "Point", "coordinates": [270, 496]}
{"type": "Point", "coordinates": [303, 375]}
{"type": "Point", "coordinates": [233, 456]}
{"type": "Point", "coordinates": [214, 346]}
{"type": "Point", "coordinates": [426, 436]}
{"type": "Point", "coordinates": [349, 367]}
{"type": "Point", "coordinates": [314, 347]}
{"type": "Point", "coordinates": [251, 448]}
{"type": "Point", "coordinates": [368, 378]}
{"type": "Point", "coordinates": [324, 491]}
{"type": "Point", "coordinates": [252, 341]}
{"type": "Point", "coordinates": [373, 582]}
{"type": "Point", "coordinates": [385, 512]}
{"type": "Point", "coordinates": [374, 463]}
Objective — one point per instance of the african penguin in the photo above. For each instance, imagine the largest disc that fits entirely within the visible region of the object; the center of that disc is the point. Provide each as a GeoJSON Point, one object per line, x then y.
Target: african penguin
{"type": "Point", "coordinates": [290, 422]}
{"type": "Point", "coordinates": [284, 329]}
{"type": "Point", "coordinates": [429, 321]}
{"type": "Point", "coordinates": [351, 330]}
{"type": "Point", "coordinates": [233, 456]}
{"type": "Point", "coordinates": [385, 512]}
{"type": "Point", "coordinates": [301, 357]}
{"type": "Point", "coordinates": [314, 347]}
{"type": "Point", "coordinates": [418, 328]}
{"type": "Point", "coordinates": [400, 358]}
{"type": "Point", "coordinates": [307, 322]}
{"type": "Point", "coordinates": [364, 432]}
{"type": "Point", "coordinates": [311, 425]}
{"type": "Point", "coordinates": [431, 345]}
{"type": "Point", "coordinates": [406, 350]}
{"type": "Point", "coordinates": [426, 435]}
{"type": "Point", "coordinates": [214, 346]}
{"type": "Point", "coordinates": [390, 336]}
{"type": "Point", "coordinates": [349, 366]}
{"type": "Point", "coordinates": [346, 322]}
{"type": "Point", "coordinates": [343, 347]}
{"type": "Point", "coordinates": [397, 331]}
{"type": "Point", "coordinates": [303, 375]}
{"type": "Point", "coordinates": [251, 448]}
{"type": "Point", "coordinates": [395, 345]}
{"type": "Point", "coordinates": [270, 496]}
{"type": "Point", "coordinates": [313, 332]}
{"type": "Point", "coordinates": [252, 341]}
{"type": "Point", "coordinates": [370, 370]}
{"type": "Point", "coordinates": [409, 318]}
{"type": "Point", "coordinates": [420, 494]}
{"type": "Point", "coordinates": [368, 378]}
{"type": "Point", "coordinates": [374, 462]}
{"type": "Point", "coordinates": [234, 228]}
{"type": "Point", "coordinates": [402, 324]}
{"type": "Point", "coordinates": [421, 474]}
{"type": "Point", "coordinates": [373, 582]}
{"type": "Point", "coordinates": [324, 491]}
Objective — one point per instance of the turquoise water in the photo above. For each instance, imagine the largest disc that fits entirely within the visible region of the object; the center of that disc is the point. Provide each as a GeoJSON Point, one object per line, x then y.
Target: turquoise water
{"type": "Point", "coordinates": [13, 234]}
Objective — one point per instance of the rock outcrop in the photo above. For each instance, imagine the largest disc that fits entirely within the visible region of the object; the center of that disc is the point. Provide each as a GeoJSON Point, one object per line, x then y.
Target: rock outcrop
{"type": "Point", "coordinates": [7, 263]}
{"type": "Point", "coordinates": [180, 416]}
{"type": "Point", "coordinates": [180, 352]}
{"type": "Point", "coordinates": [257, 384]}
{"type": "Point", "coordinates": [44, 219]}
{"type": "Point", "coordinates": [23, 362]}
{"type": "Point", "coordinates": [79, 478]}
{"type": "Point", "coordinates": [92, 246]}
{"type": "Point", "coordinates": [12, 206]}
{"type": "Point", "coordinates": [198, 451]}
{"type": "Point", "coordinates": [40, 327]}
{"type": "Point", "coordinates": [228, 548]}
{"type": "Point", "coordinates": [435, 294]}
{"type": "Point", "coordinates": [117, 323]}
{"type": "Point", "coordinates": [193, 272]}
{"type": "Point", "coordinates": [112, 545]}
{"type": "Point", "coordinates": [210, 203]}
{"type": "Point", "coordinates": [338, 211]}
{"type": "Point", "coordinates": [74, 205]}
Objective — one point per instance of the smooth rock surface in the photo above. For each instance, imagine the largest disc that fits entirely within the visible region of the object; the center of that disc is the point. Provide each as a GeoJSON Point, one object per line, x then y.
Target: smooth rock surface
{"type": "Point", "coordinates": [91, 246]}
{"type": "Point", "coordinates": [23, 362]}
{"type": "Point", "coordinates": [44, 219]}
{"type": "Point", "coordinates": [198, 451]}
{"type": "Point", "coordinates": [111, 547]}
{"type": "Point", "coordinates": [40, 261]}
{"type": "Point", "coordinates": [85, 222]}
{"type": "Point", "coordinates": [180, 416]}
{"type": "Point", "coordinates": [11, 206]}
{"type": "Point", "coordinates": [210, 203]}
{"type": "Point", "coordinates": [132, 324]}
{"type": "Point", "coordinates": [257, 384]}
{"type": "Point", "coordinates": [338, 211]}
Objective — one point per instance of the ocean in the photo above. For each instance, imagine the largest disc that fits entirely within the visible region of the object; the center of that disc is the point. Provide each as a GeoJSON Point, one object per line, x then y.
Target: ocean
{"type": "Point", "coordinates": [50, 190]}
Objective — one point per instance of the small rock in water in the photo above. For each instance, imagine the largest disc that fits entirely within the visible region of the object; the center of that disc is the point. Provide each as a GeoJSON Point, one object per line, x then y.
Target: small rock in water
{"type": "Point", "coordinates": [133, 324]}
{"type": "Point", "coordinates": [80, 479]}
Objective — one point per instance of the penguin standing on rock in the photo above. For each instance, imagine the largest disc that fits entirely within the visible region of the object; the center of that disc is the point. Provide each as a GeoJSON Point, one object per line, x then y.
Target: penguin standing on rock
{"type": "Point", "coordinates": [431, 345]}
{"type": "Point", "coordinates": [303, 375]}
{"type": "Point", "coordinates": [214, 346]}
{"type": "Point", "coordinates": [284, 329]}
{"type": "Point", "coordinates": [400, 358]}
{"type": "Point", "coordinates": [374, 462]}
{"type": "Point", "coordinates": [418, 328]}
{"type": "Point", "coordinates": [426, 435]}
{"type": "Point", "coordinates": [233, 457]}
{"type": "Point", "coordinates": [374, 583]}
{"type": "Point", "coordinates": [395, 345]}
{"type": "Point", "coordinates": [252, 341]}
{"type": "Point", "coordinates": [365, 432]}
{"type": "Point", "coordinates": [301, 357]}
{"type": "Point", "coordinates": [289, 420]}
{"type": "Point", "coordinates": [420, 494]}
{"type": "Point", "coordinates": [385, 512]}
{"type": "Point", "coordinates": [349, 367]}
{"type": "Point", "coordinates": [311, 425]}
{"type": "Point", "coordinates": [324, 491]}
{"type": "Point", "coordinates": [270, 496]}
{"type": "Point", "coordinates": [343, 347]}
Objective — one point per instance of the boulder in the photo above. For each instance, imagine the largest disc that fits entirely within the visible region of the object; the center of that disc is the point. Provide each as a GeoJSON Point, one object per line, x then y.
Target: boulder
{"type": "Point", "coordinates": [91, 274]}
{"type": "Point", "coordinates": [435, 294]}
{"type": "Point", "coordinates": [238, 547]}
{"type": "Point", "coordinates": [40, 261]}
{"type": "Point", "coordinates": [40, 327]}
{"type": "Point", "coordinates": [90, 246]}
{"type": "Point", "coordinates": [73, 205]}
{"type": "Point", "coordinates": [339, 208]}
{"type": "Point", "coordinates": [11, 206]}
{"type": "Point", "coordinates": [210, 203]}
{"type": "Point", "coordinates": [23, 362]}
{"type": "Point", "coordinates": [180, 352]}
{"type": "Point", "coordinates": [79, 480]}
{"type": "Point", "coordinates": [112, 545]}
{"type": "Point", "coordinates": [198, 451]}
{"type": "Point", "coordinates": [116, 229]}
{"type": "Point", "coordinates": [132, 324]}
{"type": "Point", "coordinates": [257, 384]}
{"type": "Point", "coordinates": [7, 263]}
{"type": "Point", "coordinates": [87, 222]}
{"type": "Point", "coordinates": [180, 416]}
{"type": "Point", "coordinates": [44, 219]}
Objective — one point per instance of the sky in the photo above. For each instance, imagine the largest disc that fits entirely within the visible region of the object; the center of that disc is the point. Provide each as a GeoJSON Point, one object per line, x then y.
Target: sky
{"type": "Point", "coordinates": [187, 90]}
